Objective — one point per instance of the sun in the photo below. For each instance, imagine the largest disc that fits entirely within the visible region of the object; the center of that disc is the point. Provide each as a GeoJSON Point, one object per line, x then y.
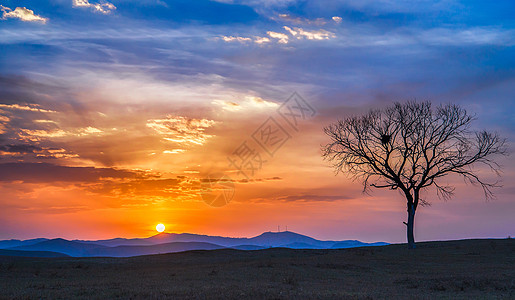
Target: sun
{"type": "Point", "coordinates": [160, 227]}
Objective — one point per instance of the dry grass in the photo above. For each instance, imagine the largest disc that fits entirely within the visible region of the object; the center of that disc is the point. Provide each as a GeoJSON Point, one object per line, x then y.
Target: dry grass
{"type": "Point", "coordinates": [437, 270]}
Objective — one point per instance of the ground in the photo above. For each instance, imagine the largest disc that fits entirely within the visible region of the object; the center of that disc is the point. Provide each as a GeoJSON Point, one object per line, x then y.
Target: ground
{"type": "Point", "coordinates": [468, 269]}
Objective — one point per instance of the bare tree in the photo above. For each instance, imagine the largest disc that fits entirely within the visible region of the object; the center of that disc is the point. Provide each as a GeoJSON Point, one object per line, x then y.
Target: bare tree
{"type": "Point", "coordinates": [411, 146]}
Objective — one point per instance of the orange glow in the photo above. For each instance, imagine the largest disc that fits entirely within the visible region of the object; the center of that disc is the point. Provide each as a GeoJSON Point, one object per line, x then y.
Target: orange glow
{"type": "Point", "coordinates": [119, 174]}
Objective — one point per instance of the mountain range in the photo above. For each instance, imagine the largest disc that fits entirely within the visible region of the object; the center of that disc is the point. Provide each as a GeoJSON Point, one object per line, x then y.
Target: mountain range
{"type": "Point", "coordinates": [167, 243]}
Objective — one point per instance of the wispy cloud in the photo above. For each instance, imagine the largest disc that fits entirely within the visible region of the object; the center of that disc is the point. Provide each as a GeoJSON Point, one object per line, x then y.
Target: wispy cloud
{"type": "Point", "coordinates": [283, 38]}
{"type": "Point", "coordinates": [300, 33]}
{"type": "Point", "coordinates": [260, 102]}
{"type": "Point", "coordinates": [33, 107]}
{"type": "Point", "coordinates": [32, 134]}
{"type": "Point", "coordinates": [311, 198]}
{"type": "Point", "coordinates": [228, 105]}
{"type": "Point", "coordinates": [261, 40]}
{"type": "Point", "coordinates": [21, 13]}
{"type": "Point", "coordinates": [240, 39]}
{"type": "Point", "coordinates": [181, 129]}
{"type": "Point", "coordinates": [174, 151]}
{"type": "Point", "coordinates": [470, 36]}
{"type": "Point", "coordinates": [51, 173]}
{"type": "Point", "coordinates": [20, 151]}
{"type": "Point", "coordinates": [249, 102]}
{"type": "Point", "coordinates": [236, 39]}
{"type": "Point", "coordinates": [104, 8]}
{"type": "Point", "coordinates": [301, 21]}
{"type": "Point", "coordinates": [27, 133]}
{"type": "Point", "coordinates": [3, 121]}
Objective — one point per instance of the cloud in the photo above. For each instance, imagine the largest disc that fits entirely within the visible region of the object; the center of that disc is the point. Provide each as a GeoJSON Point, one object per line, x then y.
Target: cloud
{"type": "Point", "coordinates": [299, 33]}
{"type": "Point", "coordinates": [311, 198]}
{"type": "Point", "coordinates": [33, 107]}
{"type": "Point", "coordinates": [337, 19]}
{"type": "Point", "coordinates": [228, 105]}
{"type": "Point", "coordinates": [236, 39]}
{"type": "Point", "coordinates": [21, 13]}
{"type": "Point", "coordinates": [28, 133]}
{"type": "Point", "coordinates": [88, 130]}
{"type": "Point", "coordinates": [151, 188]}
{"type": "Point", "coordinates": [257, 39]}
{"type": "Point", "coordinates": [303, 197]}
{"type": "Point", "coordinates": [283, 38]}
{"type": "Point", "coordinates": [44, 121]}
{"type": "Point", "coordinates": [271, 4]}
{"type": "Point", "coordinates": [248, 102]}
{"type": "Point", "coordinates": [470, 36]}
{"type": "Point", "coordinates": [51, 173]}
{"type": "Point", "coordinates": [60, 133]}
{"type": "Point", "coordinates": [174, 151]}
{"type": "Point", "coordinates": [260, 102]}
{"type": "Point", "coordinates": [300, 20]}
{"type": "Point", "coordinates": [21, 151]}
{"type": "Point", "coordinates": [291, 31]}
{"type": "Point", "coordinates": [133, 186]}
{"type": "Point", "coordinates": [261, 40]}
{"type": "Point", "coordinates": [181, 129]}
{"type": "Point", "coordinates": [3, 121]}
{"type": "Point", "coordinates": [19, 148]}
{"type": "Point", "coordinates": [398, 6]}
{"type": "Point", "coordinates": [104, 8]}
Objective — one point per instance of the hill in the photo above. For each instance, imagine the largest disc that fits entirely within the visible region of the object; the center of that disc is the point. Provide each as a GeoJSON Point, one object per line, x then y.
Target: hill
{"type": "Point", "coordinates": [62, 246]}
{"type": "Point", "coordinates": [468, 269]}
{"type": "Point", "coordinates": [127, 251]}
{"type": "Point", "coordinates": [15, 243]}
{"type": "Point", "coordinates": [176, 242]}
{"type": "Point", "coordinates": [4, 252]}
{"type": "Point", "coordinates": [266, 240]}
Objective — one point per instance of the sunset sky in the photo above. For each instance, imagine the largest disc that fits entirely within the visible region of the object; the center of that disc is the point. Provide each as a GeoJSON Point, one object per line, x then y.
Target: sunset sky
{"type": "Point", "coordinates": [113, 113]}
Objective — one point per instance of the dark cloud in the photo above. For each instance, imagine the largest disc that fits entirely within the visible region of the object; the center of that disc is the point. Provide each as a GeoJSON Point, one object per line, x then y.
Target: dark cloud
{"type": "Point", "coordinates": [303, 197]}
{"type": "Point", "coordinates": [18, 89]}
{"type": "Point", "coordinates": [51, 173]}
{"type": "Point", "coordinates": [110, 181]}
{"type": "Point", "coordinates": [22, 149]}
{"type": "Point", "coordinates": [102, 181]}
{"type": "Point", "coordinates": [311, 198]}
{"type": "Point", "coordinates": [167, 187]}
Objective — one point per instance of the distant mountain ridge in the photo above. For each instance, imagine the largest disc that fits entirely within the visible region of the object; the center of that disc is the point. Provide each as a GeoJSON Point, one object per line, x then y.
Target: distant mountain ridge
{"type": "Point", "coordinates": [174, 242]}
{"type": "Point", "coordinates": [4, 252]}
{"type": "Point", "coordinates": [71, 248]}
{"type": "Point", "coordinates": [15, 243]}
{"type": "Point", "coordinates": [266, 239]}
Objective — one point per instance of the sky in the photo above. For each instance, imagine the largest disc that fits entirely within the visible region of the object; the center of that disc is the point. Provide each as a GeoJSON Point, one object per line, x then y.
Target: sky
{"type": "Point", "coordinates": [115, 116]}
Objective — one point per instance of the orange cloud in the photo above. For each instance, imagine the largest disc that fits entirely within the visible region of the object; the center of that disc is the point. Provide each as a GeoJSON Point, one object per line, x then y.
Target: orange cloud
{"type": "Point", "coordinates": [33, 107]}
{"type": "Point", "coordinates": [181, 129]}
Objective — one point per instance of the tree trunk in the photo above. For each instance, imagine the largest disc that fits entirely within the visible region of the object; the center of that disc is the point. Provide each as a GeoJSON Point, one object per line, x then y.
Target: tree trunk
{"type": "Point", "coordinates": [410, 225]}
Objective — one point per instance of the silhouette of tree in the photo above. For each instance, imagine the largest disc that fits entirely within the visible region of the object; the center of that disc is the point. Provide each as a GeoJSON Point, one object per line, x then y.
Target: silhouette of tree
{"type": "Point", "coordinates": [410, 147]}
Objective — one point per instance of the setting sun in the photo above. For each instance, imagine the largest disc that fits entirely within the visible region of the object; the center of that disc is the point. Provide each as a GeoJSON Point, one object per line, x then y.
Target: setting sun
{"type": "Point", "coordinates": [160, 227]}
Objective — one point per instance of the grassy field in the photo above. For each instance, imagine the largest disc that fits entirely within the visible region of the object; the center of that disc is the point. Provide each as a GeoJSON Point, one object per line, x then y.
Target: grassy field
{"type": "Point", "coordinates": [469, 269]}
